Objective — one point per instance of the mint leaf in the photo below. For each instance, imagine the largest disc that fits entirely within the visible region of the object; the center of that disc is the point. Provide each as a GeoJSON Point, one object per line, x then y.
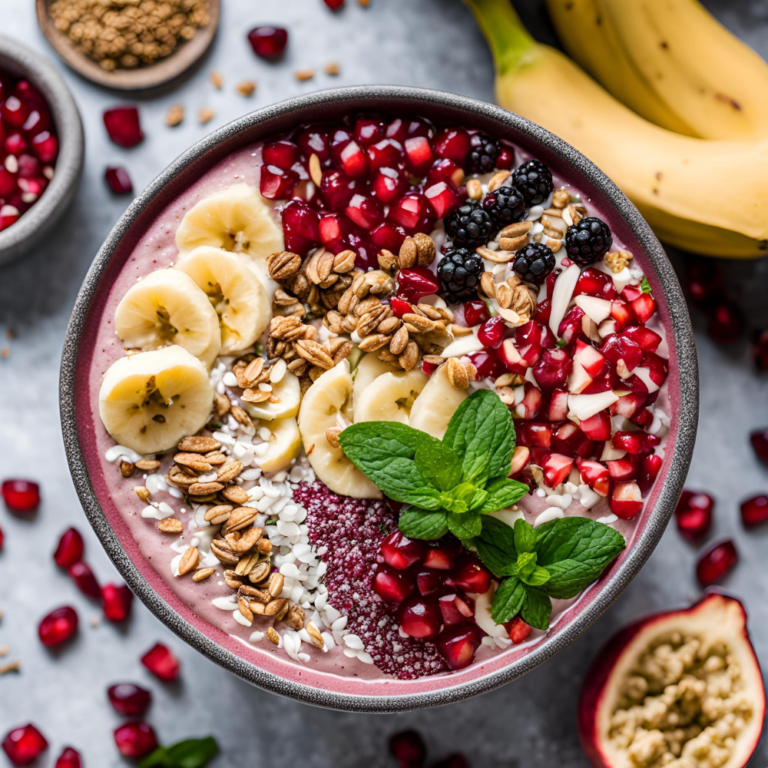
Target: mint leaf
{"type": "Point", "coordinates": [569, 577]}
{"type": "Point", "coordinates": [465, 526]}
{"type": "Point", "coordinates": [525, 536]}
{"type": "Point", "coordinates": [419, 524]}
{"type": "Point", "coordinates": [482, 432]}
{"type": "Point", "coordinates": [536, 577]}
{"type": "Point", "coordinates": [508, 600]}
{"type": "Point", "coordinates": [503, 493]}
{"type": "Point", "coordinates": [526, 565]}
{"type": "Point", "coordinates": [645, 286]}
{"type": "Point", "coordinates": [438, 464]}
{"type": "Point", "coordinates": [191, 753]}
{"type": "Point", "coordinates": [537, 608]}
{"type": "Point", "coordinates": [496, 547]}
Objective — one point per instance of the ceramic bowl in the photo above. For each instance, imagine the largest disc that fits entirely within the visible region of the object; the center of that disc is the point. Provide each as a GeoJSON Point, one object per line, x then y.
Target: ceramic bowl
{"type": "Point", "coordinates": [349, 693]}
{"type": "Point", "coordinates": [38, 221]}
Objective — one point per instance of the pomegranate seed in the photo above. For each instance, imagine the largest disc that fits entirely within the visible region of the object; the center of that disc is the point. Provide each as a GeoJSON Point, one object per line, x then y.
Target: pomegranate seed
{"type": "Point", "coordinates": [392, 586]}
{"type": "Point", "coordinates": [453, 144]}
{"type": "Point", "coordinates": [135, 740]}
{"type": "Point", "coordinates": [716, 562]}
{"type": "Point", "coordinates": [552, 369]}
{"type": "Point", "coordinates": [123, 127]}
{"type": "Point", "coordinates": [116, 600]}
{"type": "Point", "coordinates": [445, 170]}
{"type": "Point", "coordinates": [759, 440]}
{"type": "Point", "coordinates": [592, 282]}
{"type": "Point", "coordinates": [487, 363]}
{"type": "Point", "coordinates": [366, 212]}
{"type": "Point", "coordinates": [694, 514]}
{"type": "Point", "coordinates": [70, 548]}
{"type": "Point", "coordinates": [420, 617]}
{"type": "Point", "coordinates": [20, 495]}
{"type": "Point", "coordinates": [626, 500]}
{"type": "Point", "coordinates": [268, 42]}
{"type": "Point", "coordinates": [400, 306]}
{"type": "Point", "coordinates": [419, 154]}
{"type": "Point", "coordinates": [431, 583]}
{"type": "Point", "coordinates": [129, 699]}
{"type": "Point", "coordinates": [400, 552]}
{"type": "Point", "coordinates": [703, 282]}
{"type": "Point", "coordinates": [275, 183]}
{"type": "Point", "coordinates": [58, 626]}
{"type": "Point", "coordinates": [46, 146]}
{"type": "Point", "coordinates": [14, 112]}
{"type": "Point", "coordinates": [492, 333]}
{"type": "Point", "coordinates": [24, 745]}
{"type": "Point", "coordinates": [408, 211]}
{"type": "Point", "coordinates": [649, 471]}
{"type": "Point", "coordinates": [428, 368]}
{"type": "Point", "coordinates": [725, 323]}
{"type": "Point", "coordinates": [535, 434]}
{"type": "Point", "coordinates": [760, 349]}
{"type": "Point", "coordinates": [387, 236]}
{"type": "Point", "coordinates": [455, 610]}
{"type": "Point", "coordinates": [69, 758]}
{"type": "Point", "coordinates": [457, 644]}
{"type": "Point", "coordinates": [81, 573]}
{"type": "Point", "coordinates": [7, 182]}
{"type": "Point", "coordinates": [754, 511]}
{"type": "Point", "coordinates": [407, 747]}
{"type": "Point", "coordinates": [518, 630]}
{"type": "Point", "coordinates": [283, 154]}
{"type": "Point", "coordinates": [119, 181]}
{"type": "Point", "coordinates": [476, 312]}
{"type": "Point", "coordinates": [416, 283]}
{"type": "Point", "coordinates": [369, 129]}
{"type": "Point", "coordinates": [9, 215]}
{"type": "Point", "coordinates": [37, 122]}
{"type": "Point", "coordinates": [161, 663]}
{"type": "Point", "coordinates": [439, 559]}
{"type": "Point", "coordinates": [301, 226]}
{"type": "Point", "coordinates": [443, 199]}
{"type": "Point", "coordinates": [506, 158]}
{"type": "Point", "coordinates": [471, 576]}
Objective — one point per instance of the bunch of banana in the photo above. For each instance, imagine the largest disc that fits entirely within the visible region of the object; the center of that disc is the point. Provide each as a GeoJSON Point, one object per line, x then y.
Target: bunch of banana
{"type": "Point", "coordinates": [708, 196]}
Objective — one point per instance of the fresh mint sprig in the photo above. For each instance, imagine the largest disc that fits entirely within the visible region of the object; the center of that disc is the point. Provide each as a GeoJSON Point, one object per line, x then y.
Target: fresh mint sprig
{"type": "Point", "coordinates": [645, 286]}
{"type": "Point", "coordinates": [449, 484]}
{"type": "Point", "coordinates": [191, 753]}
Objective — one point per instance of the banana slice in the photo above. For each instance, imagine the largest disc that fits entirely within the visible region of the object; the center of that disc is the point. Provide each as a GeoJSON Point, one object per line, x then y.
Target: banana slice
{"type": "Point", "coordinates": [151, 400]}
{"type": "Point", "coordinates": [288, 390]}
{"type": "Point", "coordinates": [236, 293]}
{"type": "Point", "coordinates": [390, 397]}
{"type": "Point", "coordinates": [235, 219]}
{"type": "Point", "coordinates": [284, 445]}
{"type": "Point", "coordinates": [368, 370]}
{"type": "Point", "coordinates": [319, 412]}
{"type": "Point", "coordinates": [436, 404]}
{"type": "Point", "coordinates": [167, 307]}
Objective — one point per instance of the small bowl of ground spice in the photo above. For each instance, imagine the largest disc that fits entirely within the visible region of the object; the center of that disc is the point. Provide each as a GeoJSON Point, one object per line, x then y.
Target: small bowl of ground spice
{"type": "Point", "coordinates": [129, 44]}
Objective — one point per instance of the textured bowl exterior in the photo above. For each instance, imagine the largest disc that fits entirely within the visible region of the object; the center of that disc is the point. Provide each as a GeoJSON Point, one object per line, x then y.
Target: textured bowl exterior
{"type": "Point", "coordinates": [41, 217]}
{"type": "Point", "coordinates": [624, 219]}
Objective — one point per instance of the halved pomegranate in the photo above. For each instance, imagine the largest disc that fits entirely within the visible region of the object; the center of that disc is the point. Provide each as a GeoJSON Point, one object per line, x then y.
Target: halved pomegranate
{"type": "Point", "coordinates": [715, 623]}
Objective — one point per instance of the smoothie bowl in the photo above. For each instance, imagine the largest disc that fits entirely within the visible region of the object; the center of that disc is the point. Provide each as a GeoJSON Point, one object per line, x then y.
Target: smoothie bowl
{"type": "Point", "coordinates": [379, 397]}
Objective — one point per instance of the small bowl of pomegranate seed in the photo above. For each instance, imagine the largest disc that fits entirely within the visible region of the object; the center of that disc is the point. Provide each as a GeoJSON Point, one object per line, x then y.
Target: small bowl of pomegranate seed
{"type": "Point", "coordinates": [41, 148]}
{"type": "Point", "coordinates": [428, 197]}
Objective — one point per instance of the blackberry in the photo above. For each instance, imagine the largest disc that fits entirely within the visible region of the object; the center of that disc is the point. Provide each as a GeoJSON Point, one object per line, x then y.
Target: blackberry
{"type": "Point", "coordinates": [534, 262]}
{"type": "Point", "coordinates": [506, 205]}
{"type": "Point", "coordinates": [588, 241]}
{"type": "Point", "coordinates": [469, 226]}
{"type": "Point", "coordinates": [482, 156]}
{"type": "Point", "coordinates": [534, 180]}
{"type": "Point", "coordinates": [460, 270]}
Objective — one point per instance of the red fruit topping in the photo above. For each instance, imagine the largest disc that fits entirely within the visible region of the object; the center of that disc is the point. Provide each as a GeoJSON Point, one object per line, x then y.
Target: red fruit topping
{"type": "Point", "coordinates": [161, 663]}
{"type": "Point", "coordinates": [129, 699]}
{"type": "Point", "coordinates": [556, 469]}
{"type": "Point", "coordinates": [70, 548]}
{"type": "Point", "coordinates": [38, 121]}
{"type": "Point", "coordinates": [628, 405]}
{"type": "Point", "coordinates": [123, 127]}
{"type": "Point", "coordinates": [716, 562]}
{"type": "Point", "coordinates": [69, 758]}
{"type": "Point", "coordinates": [401, 552]}
{"type": "Point", "coordinates": [117, 600]}
{"type": "Point", "coordinates": [416, 283]}
{"type": "Point", "coordinates": [552, 369]}
{"type": "Point", "coordinates": [301, 227]}
{"type": "Point", "coordinates": [431, 583]}
{"type": "Point", "coordinates": [419, 154]}
{"type": "Point", "coordinates": [46, 146]}
{"type": "Point", "coordinates": [448, 171]}
{"type": "Point", "coordinates": [453, 144]}
{"type": "Point", "coordinates": [283, 154]}
{"type": "Point", "coordinates": [314, 141]}
{"type": "Point", "coordinates": [420, 617]}
{"type": "Point", "coordinates": [635, 443]}
{"type": "Point", "coordinates": [624, 469]}
{"type": "Point", "coordinates": [595, 475]}
{"type": "Point", "coordinates": [458, 644]}
{"type": "Point", "coordinates": [392, 586]}
{"type": "Point", "coordinates": [455, 610]}
{"type": "Point", "coordinates": [592, 282]}
{"type": "Point", "coordinates": [353, 160]}
{"type": "Point", "coordinates": [135, 740]}
{"type": "Point", "coordinates": [621, 314]}
{"type": "Point", "coordinates": [644, 337]}
{"type": "Point", "coordinates": [409, 211]}
{"type": "Point", "coordinates": [694, 514]}
{"type": "Point", "coordinates": [703, 282]}
{"type": "Point", "coordinates": [439, 559]}
{"type": "Point", "coordinates": [20, 495]}
{"type": "Point", "coordinates": [492, 333]}
{"type": "Point", "coordinates": [337, 190]}
{"type": "Point", "coordinates": [428, 368]}
{"type": "Point", "coordinates": [14, 112]}
{"type": "Point", "coordinates": [530, 405]}
{"type": "Point", "coordinates": [487, 363]}
{"type": "Point", "coordinates": [626, 500]}
{"type": "Point", "coordinates": [24, 745]}
{"type": "Point", "coordinates": [407, 747]}
{"type": "Point", "coordinates": [558, 405]}
{"type": "Point", "coordinates": [759, 440]}
{"type": "Point", "coordinates": [386, 236]}
{"type": "Point", "coordinates": [81, 573]}
{"type": "Point", "coordinates": [618, 348]}
{"type": "Point", "coordinates": [471, 576]}
{"type": "Point", "coordinates": [384, 154]}
{"type": "Point", "coordinates": [268, 42]}
{"type": "Point", "coordinates": [505, 160]}
{"type": "Point", "coordinates": [649, 471]}
{"type": "Point", "coordinates": [119, 181]}
{"type": "Point", "coordinates": [58, 626]}
{"type": "Point", "coordinates": [388, 184]}
{"type": "Point", "coordinates": [369, 129]}
{"type": "Point", "coordinates": [725, 323]}
{"type": "Point", "coordinates": [597, 427]}
{"type": "Point", "coordinates": [7, 182]}
{"type": "Point", "coordinates": [366, 212]}
{"type": "Point", "coordinates": [399, 306]}
{"type": "Point", "coordinates": [754, 511]}
{"type": "Point", "coordinates": [476, 312]}
{"type": "Point", "coordinates": [569, 440]}
{"type": "Point", "coordinates": [534, 434]}
{"type": "Point", "coordinates": [443, 199]}
{"type": "Point", "coordinates": [518, 630]}
{"type": "Point", "coordinates": [275, 183]}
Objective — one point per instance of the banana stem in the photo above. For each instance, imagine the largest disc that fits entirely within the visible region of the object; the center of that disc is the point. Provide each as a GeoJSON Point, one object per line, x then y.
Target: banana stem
{"type": "Point", "coordinates": [508, 38]}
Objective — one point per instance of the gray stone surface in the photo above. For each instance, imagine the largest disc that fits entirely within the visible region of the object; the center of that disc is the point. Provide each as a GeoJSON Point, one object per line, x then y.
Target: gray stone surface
{"type": "Point", "coordinates": [532, 722]}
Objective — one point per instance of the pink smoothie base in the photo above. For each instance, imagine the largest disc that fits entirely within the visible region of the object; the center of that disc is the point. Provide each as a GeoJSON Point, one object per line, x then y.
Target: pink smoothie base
{"type": "Point", "coordinates": [332, 672]}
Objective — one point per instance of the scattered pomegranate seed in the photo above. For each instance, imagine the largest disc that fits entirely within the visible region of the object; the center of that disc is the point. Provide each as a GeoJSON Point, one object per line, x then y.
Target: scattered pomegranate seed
{"type": "Point", "coordinates": [759, 440]}
{"type": "Point", "coordinates": [119, 181]}
{"type": "Point", "coordinates": [58, 626]}
{"type": "Point", "coordinates": [21, 495]}
{"type": "Point", "coordinates": [334, 5]}
{"type": "Point", "coordinates": [135, 740]}
{"type": "Point", "coordinates": [754, 511]}
{"type": "Point", "coordinates": [116, 600]}
{"type": "Point", "coordinates": [694, 514]}
{"type": "Point", "coordinates": [161, 663]}
{"type": "Point", "coordinates": [268, 42]}
{"type": "Point", "coordinates": [81, 573]}
{"type": "Point", "coordinates": [129, 699]}
{"type": "Point", "coordinates": [407, 747]}
{"type": "Point", "coordinates": [24, 745]}
{"type": "Point", "coordinates": [725, 323]}
{"type": "Point", "coordinates": [716, 562]}
{"type": "Point", "coordinates": [70, 548]}
{"type": "Point", "coordinates": [123, 126]}
{"type": "Point", "coordinates": [760, 349]}
{"type": "Point", "coordinates": [703, 282]}
{"type": "Point", "coordinates": [69, 758]}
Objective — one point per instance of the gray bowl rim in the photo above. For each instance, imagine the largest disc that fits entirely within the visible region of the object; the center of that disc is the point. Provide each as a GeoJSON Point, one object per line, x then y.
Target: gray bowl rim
{"type": "Point", "coordinates": [39, 219]}
{"type": "Point", "coordinates": [387, 100]}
